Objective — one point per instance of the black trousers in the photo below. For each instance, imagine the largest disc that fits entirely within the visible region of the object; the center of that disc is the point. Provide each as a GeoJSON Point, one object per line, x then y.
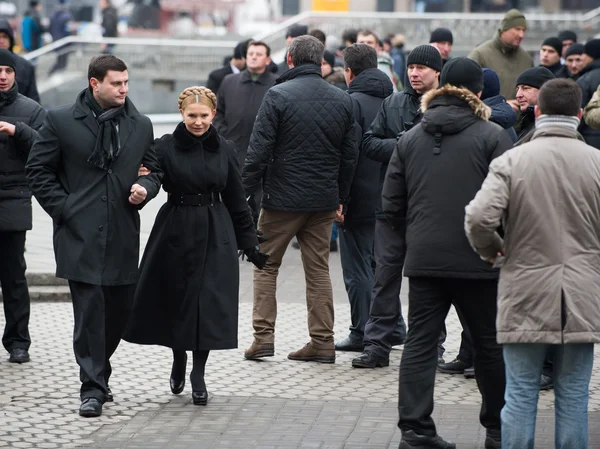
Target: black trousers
{"type": "Point", "coordinates": [101, 314]}
{"type": "Point", "coordinates": [465, 353]}
{"type": "Point", "coordinates": [386, 324]}
{"type": "Point", "coordinates": [15, 293]}
{"type": "Point", "coordinates": [429, 302]}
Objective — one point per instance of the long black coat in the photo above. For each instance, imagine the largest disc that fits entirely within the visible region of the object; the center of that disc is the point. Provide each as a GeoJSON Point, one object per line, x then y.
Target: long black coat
{"type": "Point", "coordinates": [15, 196]}
{"type": "Point", "coordinates": [96, 229]}
{"type": "Point", "coordinates": [187, 296]}
{"type": "Point", "coordinates": [216, 77]}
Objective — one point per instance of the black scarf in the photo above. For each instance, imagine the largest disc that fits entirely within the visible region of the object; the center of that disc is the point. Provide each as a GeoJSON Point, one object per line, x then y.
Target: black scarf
{"type": "Point", "coordinates": [108, 145]}
{"type": "Point", "coordinates": [9, 96]}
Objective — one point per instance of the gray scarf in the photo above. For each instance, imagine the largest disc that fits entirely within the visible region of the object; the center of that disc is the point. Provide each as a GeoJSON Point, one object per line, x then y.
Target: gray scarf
{"type": "Point", "coordinates": [567, 121]}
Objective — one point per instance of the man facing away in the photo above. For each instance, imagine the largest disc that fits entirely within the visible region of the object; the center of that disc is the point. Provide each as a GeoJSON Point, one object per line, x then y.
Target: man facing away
{"type": "Point", "coordinates": [547, 195]}
{"type": "Point", "coordinates": [21, 117]}
{"type": "Point", "coordinates": [303, 150]}
{"type": "Point", "coordinates": [437, 168]}
{"type": "Point", "coordinates": [83, 170]}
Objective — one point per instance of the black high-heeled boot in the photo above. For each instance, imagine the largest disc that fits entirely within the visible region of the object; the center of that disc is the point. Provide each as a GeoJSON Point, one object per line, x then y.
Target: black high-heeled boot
{"type": "Point", "coordinates": [177, 380]}
{"type": "Point", "coordinates": [199, 393]}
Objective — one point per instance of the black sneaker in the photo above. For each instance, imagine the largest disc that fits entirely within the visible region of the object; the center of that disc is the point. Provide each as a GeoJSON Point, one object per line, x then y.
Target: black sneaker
{"type": "Point", "coordinates": [412, 440]}
{"type": "Point", "coordinates": [493, 439]}
{"type": "Point", "coordinates": [370, 360]}
{"type": "Point", "coordinates": [19, 355]}
{"type": "Point", "coordinates": [456, 366]}
{"type": "Point", "coordinates": [546, 383]}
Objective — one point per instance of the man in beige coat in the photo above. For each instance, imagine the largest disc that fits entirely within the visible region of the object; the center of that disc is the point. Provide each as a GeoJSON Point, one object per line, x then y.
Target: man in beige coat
{"type": "Point", "coordinates": [592, 111]}
{"type": "Point", "coordinates": [546, 195]}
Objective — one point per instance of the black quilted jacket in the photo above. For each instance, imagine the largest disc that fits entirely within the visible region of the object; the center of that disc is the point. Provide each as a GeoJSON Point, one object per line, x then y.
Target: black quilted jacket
{"type": "Point", "coordinates": [303, 146]}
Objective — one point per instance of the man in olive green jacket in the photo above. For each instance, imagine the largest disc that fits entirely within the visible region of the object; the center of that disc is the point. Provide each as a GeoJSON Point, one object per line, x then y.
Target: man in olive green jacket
{"type": "Point", "coordinates": [592, 111]}
{"type": "Point", "coordinates": [504, 55]}
{"type": "Point", "coordinates": [550, 275]}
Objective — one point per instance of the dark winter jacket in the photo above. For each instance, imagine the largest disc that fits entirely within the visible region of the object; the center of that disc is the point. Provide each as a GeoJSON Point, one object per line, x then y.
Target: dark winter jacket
{"type": "Point", "coordinates": [110, 22]}
{"type": "Point", "coordinates": [555, 69]}
{"type": "Point", "coordinates": [564, 73]}
{"type": "Point", "coordinates": [216, 77]}
{"type": "Point", "coordinates": [589, 80]}
{"type": "Point", "coordinates": [398, 113]}
{"type": "Point", "coordinates": [96, 229]}
{"type": "Point", "coordinates": [436, 170]}
{"type": "Point", "coordinates": [24, 70]}
{"type": "Point", "coordinates": [59, 23]}
{"type": "Point", "coordinates": [368, 90]}
{"type": "Point", "coordinates": [15, 195]}
{"type": "Point", "coordinates": [303, 147]}
{"type": "Point", "coordinates": [237, 105]}
{"type": "Point", "coordinates": [525, 125]}
{"type": "Point", "coordinates": [502, 114]}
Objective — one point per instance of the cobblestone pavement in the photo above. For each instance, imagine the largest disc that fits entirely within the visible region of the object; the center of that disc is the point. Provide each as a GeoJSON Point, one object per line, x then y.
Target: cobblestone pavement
{"type": "Point", "coordinates": [272, 404]}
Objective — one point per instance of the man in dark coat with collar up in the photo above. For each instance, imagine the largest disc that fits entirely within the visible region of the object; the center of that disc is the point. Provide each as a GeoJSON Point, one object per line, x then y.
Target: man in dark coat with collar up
{"type": "Point", "coordinates": [20, 119]}
{"type": "Point", "coordinates": [83, 170]}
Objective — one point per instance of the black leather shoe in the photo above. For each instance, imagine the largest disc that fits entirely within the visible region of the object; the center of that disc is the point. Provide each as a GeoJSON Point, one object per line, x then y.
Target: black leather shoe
{"type": "Point", "coordinates": [369, 360]}
{"type": "Point", "coordinates": [90, 408]}
{"type": "Point", "coordinates": [200, 397]}
{"type": "Point", "coordinates": [411, 440]}
{"type": "Point", "coordinates": [493, 439]}
{"type": "Point", "coordinates": [177, 379]}
{"type": "Point", "coordinates": [349, 344]}
{"type": "Point", "coordinates": [546, 383]}
{"type": "Point", "coordinates": [19, 355]}
{"type": "Point", "coordinates": [456, 366]}
{"type": "Point", "coordinates": [469, 372]}
{"type": "Point", "coordinates": [109, 395]}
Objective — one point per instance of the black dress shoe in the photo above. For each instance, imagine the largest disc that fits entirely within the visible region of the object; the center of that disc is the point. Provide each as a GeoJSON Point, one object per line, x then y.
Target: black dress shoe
{"type": "Point", "coordinates": [412, 440]}
{"type": "Point", "coordinates": [370, 360]}
{"type": "Point", "coordinates": [19, 355]}
{"type": "Point", "coordinates": [109, 395]}
{"type": "Point", "coordinates": [469, 373]}
{"type": "Point", "coordinates": [440, 360]}
{"type": "Point", "coordinates": [349, 344]}
{"type": "Point", "coordinates": [200, 397]}
{"type": "Point", "coordinates": [90, 408]}
{"type": "Point", "coordinates": [456, 366]}
{"type": "Point", "coordinates": [493, 439]}
{"type": "Point", "coordinates": [177, 379]}
{"type": "Point", "coordinates": [546, 383]}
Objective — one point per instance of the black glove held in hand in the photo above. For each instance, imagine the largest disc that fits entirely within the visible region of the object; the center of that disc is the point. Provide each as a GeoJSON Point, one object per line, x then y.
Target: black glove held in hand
{"type": "Point", "coordinates": [255, 256]}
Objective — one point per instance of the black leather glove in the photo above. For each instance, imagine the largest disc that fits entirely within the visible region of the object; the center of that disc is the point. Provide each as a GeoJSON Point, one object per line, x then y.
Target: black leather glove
{"type": "Point", "coordinates": [255, 256]}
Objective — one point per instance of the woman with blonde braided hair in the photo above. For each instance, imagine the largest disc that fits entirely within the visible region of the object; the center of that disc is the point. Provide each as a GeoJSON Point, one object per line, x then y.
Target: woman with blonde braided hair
{"type": "Point", "coordinates": [187, 294]}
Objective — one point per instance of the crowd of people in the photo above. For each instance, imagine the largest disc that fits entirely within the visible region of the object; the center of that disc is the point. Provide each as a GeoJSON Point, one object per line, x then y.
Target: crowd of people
{"type": "Point", "coordinates": [477, 178]}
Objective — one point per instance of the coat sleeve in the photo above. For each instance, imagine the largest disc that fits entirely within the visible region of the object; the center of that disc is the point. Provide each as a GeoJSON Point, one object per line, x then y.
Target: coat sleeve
{"type": "Point", "coordinates": [483, 215]}
{"type": "Point", "coordinates": [376, 143]}
{"type": "Point", "coordinates": [235, 200]}
{"type": "Point", "coordinates": [151, 182]}
{"type": "Point", "coordinates": [348, 161]}
{"type": "Point", "coordinates": [592, 111]}
{"type": "Point", "coordinates": [213, 83]}
{"type": "Point", "coordinates": [393, 196]}
{"type": "Point", "coordinates": [262, 143]}
{"type": "Point", "coordinates": [43, 167]}
{"type": "Point", "coordinates": [25, 135]}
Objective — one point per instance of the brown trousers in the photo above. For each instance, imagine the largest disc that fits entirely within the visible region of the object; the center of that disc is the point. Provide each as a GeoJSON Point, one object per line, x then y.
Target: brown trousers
{"type": "Point", "coordinates": [313, 230]}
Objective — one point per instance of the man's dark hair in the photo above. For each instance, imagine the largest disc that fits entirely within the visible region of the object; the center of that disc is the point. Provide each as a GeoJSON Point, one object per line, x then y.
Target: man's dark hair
{"type": "Point", "coordinates": [360, 57]}
{"type": "Point", "coordinates": [367, 32]}
{"type": "Point", "coordinates": [259, 44]}
{"type": "Point", "coordinates": [306, 50]}
{"type": "Point", "coordinates": [101, 64]}
{"type": "Point", "coordinates": [349, 35]}
{"type": "Point", "coordinates": [560, 97]}
{"type": "Point", "coordinates": [319, 35]}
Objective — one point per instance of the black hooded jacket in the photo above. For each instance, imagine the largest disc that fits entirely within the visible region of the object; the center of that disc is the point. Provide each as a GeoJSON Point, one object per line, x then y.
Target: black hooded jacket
{"type": "Point", "coordinates": [398, 113]}
{"type": "Point", "coordinates": [589, 80]}
{"type": "Point", "coordinates": [502, 114]}
{"type": "Point", "coordinates": [25, 72]}
{"type": "Point", "coordinates": [436, 170]}
{"type": "Point", "coordinates": [368, 90]}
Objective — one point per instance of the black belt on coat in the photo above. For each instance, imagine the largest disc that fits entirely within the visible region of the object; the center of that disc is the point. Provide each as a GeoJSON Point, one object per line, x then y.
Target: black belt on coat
{"type": "Point", "coordinates": [196, 199]}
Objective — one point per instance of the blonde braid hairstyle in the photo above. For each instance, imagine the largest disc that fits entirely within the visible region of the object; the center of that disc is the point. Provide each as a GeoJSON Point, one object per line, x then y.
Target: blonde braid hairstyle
{"type": "Point", "coordinates": [197, 94]}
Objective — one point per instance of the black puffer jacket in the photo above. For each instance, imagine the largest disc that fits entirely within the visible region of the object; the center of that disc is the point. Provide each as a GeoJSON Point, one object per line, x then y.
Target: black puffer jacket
{"type": "Point", "coordinates": [25, 72]}
{"type": "Point", "coordinates": [368, 90]}
{"type": "Point", "coordinates": [397, 114]}
{"type": "Point", "coordinates": [303, 146]}
{"type": "Point", "coordinates": [436, 170]}
{"type": "Point", "coordinates": [589, 80]}
{"type": "Point", "coordinates": [15, 195]}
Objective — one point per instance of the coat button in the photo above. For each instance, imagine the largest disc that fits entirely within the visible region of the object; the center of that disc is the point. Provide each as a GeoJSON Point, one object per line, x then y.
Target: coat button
{"type": "Point", "coordinates": [101, 228]}
{"type": "Point", "coordinates": [104, 199]}
{"type": "Point", "coordinates": [110, 171]}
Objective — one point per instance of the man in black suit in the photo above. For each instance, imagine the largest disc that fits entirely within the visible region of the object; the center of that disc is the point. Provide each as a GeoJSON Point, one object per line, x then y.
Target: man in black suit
{"type": "Point", "coordinates": [83, 170]}
{"type": "Point", "coordinates": [236, 65]}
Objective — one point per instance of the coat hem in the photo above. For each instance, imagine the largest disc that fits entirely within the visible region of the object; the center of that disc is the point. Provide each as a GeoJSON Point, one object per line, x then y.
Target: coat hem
{"type": "Point", "coordinates": [102, 282]}
{"type": "Point", "coordinates": [450, 274]}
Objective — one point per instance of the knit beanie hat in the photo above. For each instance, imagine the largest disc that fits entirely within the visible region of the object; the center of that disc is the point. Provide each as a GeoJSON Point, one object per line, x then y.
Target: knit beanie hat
{"type": "Point", "coordinates": [463, 72]}
{"type": "Point", "coordinates": [592, 48]}
{"type": "Point", "coordinates": [426, 55]}
{"type": "Point", "coordinates": [491, 84]}
{"type": "Point", "coordinates": [553, 42]}
{"type": "Point", "coordinates": [7, 59]}
{"type": "Point", "coordinates": [575, 49]}
{"type": "Point", "coordinates": [535, 77]}
{"type": "Point", "coordinates": [441, 35]}
{"type": "Point", "coordinates": [567, 35]}
{"type": "Point", "coordinates": [513, 18]}
{"type": "Point", "coordinates": [329, 58]}
{"type": "Point", "coordinates": [297, 30]}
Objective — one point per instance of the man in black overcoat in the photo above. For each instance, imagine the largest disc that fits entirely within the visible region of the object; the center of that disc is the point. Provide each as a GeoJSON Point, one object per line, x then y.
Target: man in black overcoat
{"type": "Point", "coordinates": [20, 118]}
{"type": "Point", "coordinates": [83, 170]}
